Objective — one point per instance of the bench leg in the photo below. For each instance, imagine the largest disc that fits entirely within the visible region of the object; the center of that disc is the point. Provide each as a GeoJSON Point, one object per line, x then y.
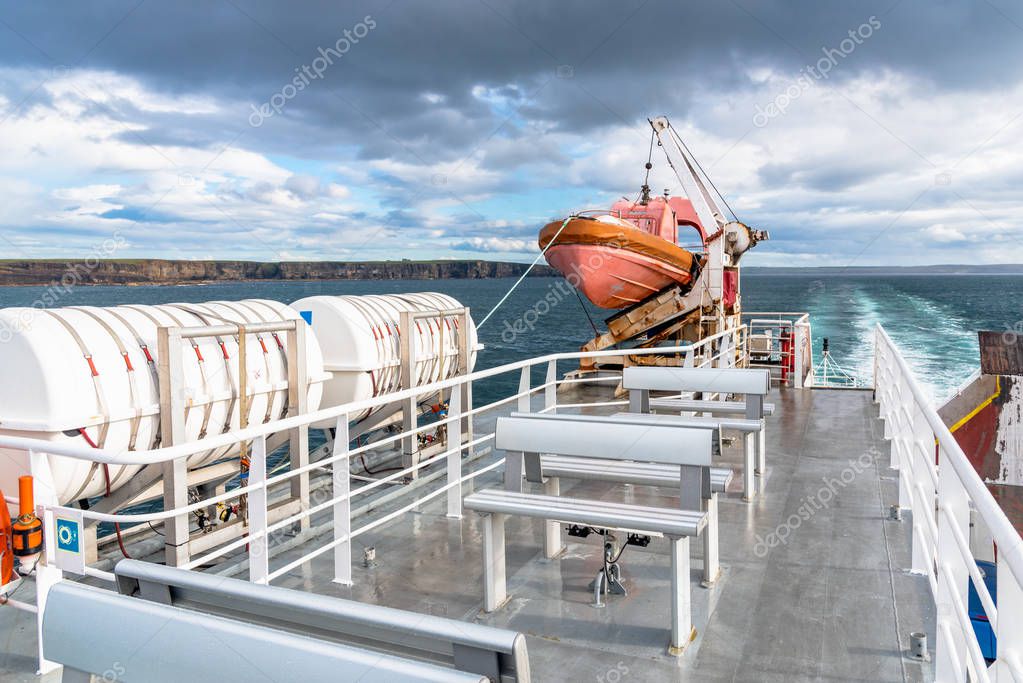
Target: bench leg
{"type": "Point", "coordinates": [495, 591]}
{"type": "Point", "coordinates": [749, 467]}
{"type": "Point", "coordinates": [762, 451]}
{"type": "Point", "coordinates": [70, 675]}
{"type": "Point", "coordinates": [711, 558]}
{"type": "Point", "coordinates": [681, 601]}
{"type": "Point", "coordinates": [513, 467]}
{"type": "Point", "coordinates": [552, 545]}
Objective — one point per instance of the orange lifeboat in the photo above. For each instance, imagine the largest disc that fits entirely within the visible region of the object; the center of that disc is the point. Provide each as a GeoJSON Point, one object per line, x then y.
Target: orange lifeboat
{"type": "Point", "coordinates": [622, 257]}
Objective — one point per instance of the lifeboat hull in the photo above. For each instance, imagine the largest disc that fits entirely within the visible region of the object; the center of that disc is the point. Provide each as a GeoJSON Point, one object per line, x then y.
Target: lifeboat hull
{"type": "Point", "coordinates": [613, 265]}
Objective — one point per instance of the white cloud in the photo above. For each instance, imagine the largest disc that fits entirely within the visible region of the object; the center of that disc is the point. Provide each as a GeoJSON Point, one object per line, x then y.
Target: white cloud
{"type": "Point", "coordinates": [943, 233]}
{"type": "Point", "coordinates": [879, 168]}
{"type": "Point", "coordinates": [496, 244]}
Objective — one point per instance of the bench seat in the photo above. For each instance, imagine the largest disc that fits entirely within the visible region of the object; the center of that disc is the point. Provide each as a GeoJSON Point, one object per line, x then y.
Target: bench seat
{"type": "Point", "coordinates": [598, 513]}
{"type": "Point", "coordinates": [699, 405]}
{"type": "Point", "coordinates": [639, 473]}
{"type": "Point", "coordinates": [737, 424]}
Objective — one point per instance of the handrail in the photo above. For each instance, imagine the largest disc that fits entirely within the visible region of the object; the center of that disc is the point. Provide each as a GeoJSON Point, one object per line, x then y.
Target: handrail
{"type": "Point", "coordinates": [1010, 545]}
{"type": "Point", "coordinates": [159, 455]}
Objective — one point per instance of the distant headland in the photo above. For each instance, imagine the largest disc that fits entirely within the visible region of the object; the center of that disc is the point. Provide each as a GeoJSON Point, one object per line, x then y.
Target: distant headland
{"type": "Point", "coordinates": [167, 272]}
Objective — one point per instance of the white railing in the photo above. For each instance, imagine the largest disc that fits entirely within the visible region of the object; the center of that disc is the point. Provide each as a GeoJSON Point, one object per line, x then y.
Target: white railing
{"type": "Point", "coordinates": [782, 343]}
{"type": "Point", "coordinates": [941, 488]}
{"type": "Point", "coordinates": [332, 492]}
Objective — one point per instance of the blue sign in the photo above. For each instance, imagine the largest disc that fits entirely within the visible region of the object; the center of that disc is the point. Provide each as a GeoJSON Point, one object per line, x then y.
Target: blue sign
{"type": "Point", "coordinates": [307, 316]}
{"type": "Point", "coordinates": [67, 535]}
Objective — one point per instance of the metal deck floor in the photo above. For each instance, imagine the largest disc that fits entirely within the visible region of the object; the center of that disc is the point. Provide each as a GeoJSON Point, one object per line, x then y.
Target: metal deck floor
{"type": "Point", "coordinates": [833, 602]}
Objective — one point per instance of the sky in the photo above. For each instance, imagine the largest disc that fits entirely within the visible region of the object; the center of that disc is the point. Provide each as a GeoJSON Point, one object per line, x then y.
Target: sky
{"type": "Point", "coordinates": [866, 133]}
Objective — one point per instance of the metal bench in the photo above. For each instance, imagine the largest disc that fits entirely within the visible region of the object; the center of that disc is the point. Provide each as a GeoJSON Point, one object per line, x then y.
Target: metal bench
{"type": "Point", "coordinates": [688, 451]}
{"type": "Point", "coordinates": [496, 654]}
{"type": "Point", "coordinates": [677, 525]}
{"type": "Point", "coordinates": [142, 640]}
{"type": "Point", "coordinates": [649, 474]}
{"type": "Point", "coordinates": [646, 474]}
{"type": "Point", "coordinates": [752, 384]}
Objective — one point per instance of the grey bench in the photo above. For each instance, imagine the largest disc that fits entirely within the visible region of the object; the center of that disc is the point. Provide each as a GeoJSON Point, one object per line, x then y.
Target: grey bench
{"type": "Point", "coordinates": [752, 384]}
{"type": "Point", "coordinates": [677, 525]}
{"type": "Point", "coordinates": [698, 495]}
{"type": "Point", "coordinates": [496, 654]}
{"type": "Point", "coordinates": [92, 630]}
{"type": "Point", "coordinates": [688, 451]}
{"type": "Point", "coordinates": [650, 474]}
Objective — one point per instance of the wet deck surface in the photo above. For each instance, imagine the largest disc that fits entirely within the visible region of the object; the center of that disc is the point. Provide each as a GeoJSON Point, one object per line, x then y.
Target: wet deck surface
{"type": "Point", "coordinates": [820, 605]}
{"type": "Point", "coordinates": [813, 584]}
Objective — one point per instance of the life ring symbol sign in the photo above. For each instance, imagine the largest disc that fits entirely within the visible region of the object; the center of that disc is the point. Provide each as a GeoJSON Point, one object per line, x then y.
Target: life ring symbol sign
{"type": "Point", "coordinates": [67, 535]}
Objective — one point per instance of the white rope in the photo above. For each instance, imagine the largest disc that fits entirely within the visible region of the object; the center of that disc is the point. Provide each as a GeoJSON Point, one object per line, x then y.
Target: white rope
{"type": "Point", "coordinates": [523, 277]}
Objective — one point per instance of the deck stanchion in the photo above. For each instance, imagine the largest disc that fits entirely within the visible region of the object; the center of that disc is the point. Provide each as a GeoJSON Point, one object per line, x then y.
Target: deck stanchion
{"type": "Point", "coordinates": [513, 462]}
{"type": "Point", "coordinates": [524, 393]}
{"type": "Point", "coordinates": [953, 577]}
{"type": "Point", "coordinates": [259, 543]}
{"type": "Point", "coordinates": [552, 545]}
{"type": "Point", "coordinates": [341, 491]}
{"type": "Point", "coordinates": [298, 394]}
{"type": "Point", "coordinates": [464, 356]}
{"type": "Point", "coordinates": [47, 574]}
{"type": "Point", "coordinates": [1009, 665]}
{"type": "Point", "coordinates": [172, 432]}
{"type": "Point", "coordinates": [454, 458]}
{"type": "Point", "coordinates": [409, 407]}
{"type": "Point", "coordinates": [550, 392]}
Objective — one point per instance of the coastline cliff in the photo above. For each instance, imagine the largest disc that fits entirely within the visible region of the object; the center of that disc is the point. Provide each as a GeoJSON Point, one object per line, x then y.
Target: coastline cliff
{"type": "Point", "coordinates": [165, 272]}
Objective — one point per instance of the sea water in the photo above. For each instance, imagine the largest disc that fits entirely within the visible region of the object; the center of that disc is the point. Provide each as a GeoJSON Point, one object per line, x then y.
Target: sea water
{"type": "Point", "coordinates": [934, 319]}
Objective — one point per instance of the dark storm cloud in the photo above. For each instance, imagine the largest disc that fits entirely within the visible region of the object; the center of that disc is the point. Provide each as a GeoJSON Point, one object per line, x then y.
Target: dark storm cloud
{"type": "Point", "coordinates": [578, 65]}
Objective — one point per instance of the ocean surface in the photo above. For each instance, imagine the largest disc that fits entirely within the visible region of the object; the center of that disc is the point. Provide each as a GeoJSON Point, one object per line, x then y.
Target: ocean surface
{"type": "Point", "coordinates": [934, 319]}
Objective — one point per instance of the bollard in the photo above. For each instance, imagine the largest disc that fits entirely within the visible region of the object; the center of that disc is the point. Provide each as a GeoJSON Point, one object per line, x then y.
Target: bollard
{"type": "Point", "coordinates": [918, 646]}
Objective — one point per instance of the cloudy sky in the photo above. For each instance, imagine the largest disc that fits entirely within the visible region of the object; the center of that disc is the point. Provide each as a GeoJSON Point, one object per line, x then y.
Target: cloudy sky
{"type": "Point", "coordinates": [856, 133]}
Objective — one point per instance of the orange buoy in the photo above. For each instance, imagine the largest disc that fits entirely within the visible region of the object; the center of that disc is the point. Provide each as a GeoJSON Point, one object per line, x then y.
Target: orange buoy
{"type": "Point", "coordinates": [6, 546]}
{"type": "Point", "coordinates": [27, 530]}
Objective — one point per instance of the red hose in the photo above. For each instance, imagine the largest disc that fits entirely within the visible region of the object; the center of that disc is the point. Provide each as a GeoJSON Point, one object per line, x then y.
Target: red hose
{"type": "Point", "coordinates": [106, 475]}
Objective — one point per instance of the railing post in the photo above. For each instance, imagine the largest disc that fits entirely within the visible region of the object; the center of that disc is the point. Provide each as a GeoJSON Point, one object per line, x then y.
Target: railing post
{"type": "Point", "coordinates": [524, 395]}
{"type": "Point", "coordinates": [465, 355]}
{"type": "Point", "coordinates": [172, 432]}
{"type": "Point", "coordinates": [916, 475]}
{"type": "Point", "coordinates": [952, 575]}
{"type": "Point", "coordinates": [550, 392]}
{"type": "Point", "coordinates": [298, 394]}
{"type": "Point", "coordinates": [1010, 624]}
{"type": "Point", "coordinates": [877, 362]}
{"type": "Point", "coordinates": [409, 407]}
{"type": "Point", "coordinates": [341, 490]}
{"type": "Point", "coordinates": [454, 447]}
{"type": "Point", "coordinates": [46, 574]}
{"type": "Point", "coordinates": [919, 447]}
{"type": "Point", "coordinates": [259, 543]}
{"type": "Point", "coordinates": [688, 362]}
{"type": "Point", "coordinates": [513, 461]}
